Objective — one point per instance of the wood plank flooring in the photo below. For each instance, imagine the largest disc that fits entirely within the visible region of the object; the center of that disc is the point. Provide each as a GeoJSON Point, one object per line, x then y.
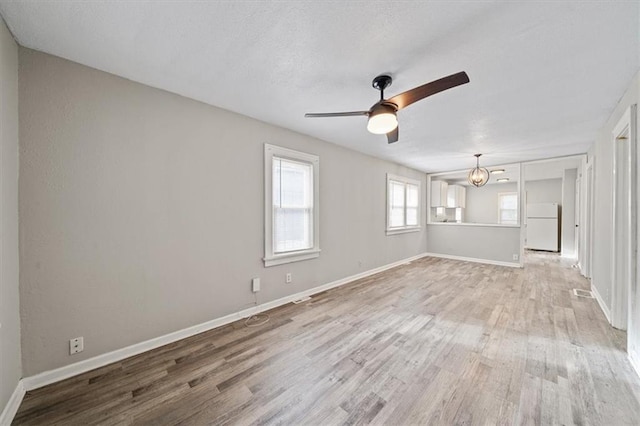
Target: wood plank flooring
{"type": "Point", "coordinates": [432, 342]}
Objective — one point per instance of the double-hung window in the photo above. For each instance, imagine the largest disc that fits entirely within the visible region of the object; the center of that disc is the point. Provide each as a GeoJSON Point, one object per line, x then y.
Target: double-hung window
{"type": "Point", "coordinates": [508, 208]}
{"type": "Point", "coordinates": [403, 204]}
{"type": "Point", "coordinates": [291, 205]}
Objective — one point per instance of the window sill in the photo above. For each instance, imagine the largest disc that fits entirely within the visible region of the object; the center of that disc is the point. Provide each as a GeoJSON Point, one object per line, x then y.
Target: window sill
{"type": "Point", "coordinates": [490, 225]}
{"type": "Point", "coordinates": [280, 259]}
{"type": "Point", "coordinates": [403, 230]}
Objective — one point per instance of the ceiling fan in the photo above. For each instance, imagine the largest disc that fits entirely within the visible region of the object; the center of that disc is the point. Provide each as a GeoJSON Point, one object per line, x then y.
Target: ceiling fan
{"type": "Point", "coordinates": [382, 115]}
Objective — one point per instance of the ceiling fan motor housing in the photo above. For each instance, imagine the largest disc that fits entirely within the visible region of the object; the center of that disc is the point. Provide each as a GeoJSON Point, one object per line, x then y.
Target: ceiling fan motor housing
{"type": "Point", "coordinates": [381, 82]}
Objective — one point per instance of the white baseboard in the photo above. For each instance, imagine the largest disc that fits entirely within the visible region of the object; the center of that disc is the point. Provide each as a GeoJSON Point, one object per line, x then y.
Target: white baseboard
{"type": "Point", "coordinates": [603, 305]}
{"type": "Point", "coordinates": [475, 260]}
{"type": "Point", "coordinates": [634, 359]}
{"type": "Point", "coordinates": [58, 374]}
{"type": "Point", "coordinates": [13, 404]}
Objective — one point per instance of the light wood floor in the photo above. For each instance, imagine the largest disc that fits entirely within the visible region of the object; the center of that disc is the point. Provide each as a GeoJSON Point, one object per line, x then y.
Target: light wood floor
{"type": "Point", "coordinates": [436, 341]}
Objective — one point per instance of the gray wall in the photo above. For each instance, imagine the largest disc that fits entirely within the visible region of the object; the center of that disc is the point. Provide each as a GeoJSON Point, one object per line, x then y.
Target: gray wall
{"type": "Point", "coordinates": [10, 367]}
{"type": "Point", "coordinates": [142, 212]}
{"type": "Point", "coordinates": [482, 203]}
{"type": "Point", "coordinates": [569, 213]}
{"type": "Point", "coordinates": [479, 242]}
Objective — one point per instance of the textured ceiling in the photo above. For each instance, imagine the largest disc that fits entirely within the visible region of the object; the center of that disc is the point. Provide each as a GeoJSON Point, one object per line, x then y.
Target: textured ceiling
{"type": "Point", "coordinates": [544, 75]}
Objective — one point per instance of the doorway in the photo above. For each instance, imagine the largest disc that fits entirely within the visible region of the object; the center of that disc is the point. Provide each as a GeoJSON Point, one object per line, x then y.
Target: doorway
{"type": "Point", "coordinates": [624, 241]}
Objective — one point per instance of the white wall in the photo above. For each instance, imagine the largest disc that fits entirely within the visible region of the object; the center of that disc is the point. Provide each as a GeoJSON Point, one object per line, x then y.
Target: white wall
{"type": "Point", "coordinates": [142, 212]}
{"type": "Point", "coordinates": [568, 243]}
{"type": "Point", "coordinates": [10, 367]}
{"type": "Point", "coordinates": [482, 203]}
{"type": "Point", "coordinates": [601, 155]}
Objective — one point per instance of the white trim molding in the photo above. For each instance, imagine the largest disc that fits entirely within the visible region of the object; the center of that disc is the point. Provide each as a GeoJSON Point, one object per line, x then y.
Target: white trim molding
{"type": "Point", "coordinates": [474, 260]}
{"type": "Point", "coordinates": [622, 259]}
{"type": "Point", "coordinates": [603, 306]}
{"type": "Point", "coordinates": [10, 410]}
{"type": "Point", "coordinates": [635, 362]}
{"type": "Point", "coordinates": [405, 181]}
{"type": "Point", "coordinates": [58, 374]}
{"type": "Point", "coordinates": [271, 257]}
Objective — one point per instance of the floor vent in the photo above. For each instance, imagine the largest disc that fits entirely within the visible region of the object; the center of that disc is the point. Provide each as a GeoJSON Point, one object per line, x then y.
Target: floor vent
{"type": "Point", "coordinates": [304, 299]}
{"type": "Point", "coordinates": [582, 293]}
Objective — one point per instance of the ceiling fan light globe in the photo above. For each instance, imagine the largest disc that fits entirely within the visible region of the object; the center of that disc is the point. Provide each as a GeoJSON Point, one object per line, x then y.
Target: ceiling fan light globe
{"type": "Point", "coordinates": [381, 124]}
{"type": "Point", "coordinates": [382, 119]}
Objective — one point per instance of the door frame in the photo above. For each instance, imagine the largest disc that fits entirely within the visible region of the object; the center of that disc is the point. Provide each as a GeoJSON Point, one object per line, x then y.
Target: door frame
{"type": "Point", "coordinates": [586, 223]}
{"type": "Point", "coordinates": [577, 202]}
{"type": "Point", "coordinates": [623, 253]}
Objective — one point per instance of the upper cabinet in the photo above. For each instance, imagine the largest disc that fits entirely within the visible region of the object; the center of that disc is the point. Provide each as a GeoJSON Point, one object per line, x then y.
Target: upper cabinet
{"type": "Point", "coordinates": [439, 193]}
{"type": "Point", "coordinates": [456, 196]}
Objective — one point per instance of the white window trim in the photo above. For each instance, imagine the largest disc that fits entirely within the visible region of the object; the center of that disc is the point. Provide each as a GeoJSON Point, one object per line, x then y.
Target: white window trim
{"type": "Point", "coordinates": [500, 194]}
{"type": "Point", "coordinates": [403, 229]}
{"type": "Point", "coordinates": [271, 258]}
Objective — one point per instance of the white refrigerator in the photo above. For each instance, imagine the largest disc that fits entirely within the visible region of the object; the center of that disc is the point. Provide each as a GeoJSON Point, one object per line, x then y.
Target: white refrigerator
{"type": "Point", "coordinates": [542, 227]}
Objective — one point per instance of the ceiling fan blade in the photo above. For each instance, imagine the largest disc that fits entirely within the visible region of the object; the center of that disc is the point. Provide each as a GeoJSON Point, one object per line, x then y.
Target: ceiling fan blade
{"type": "Point", "coordinates": [392, 136]}
{"type": "Point", "coordinates": [405, 99]}
{"type": "Point", "coordinates": [335, 114]}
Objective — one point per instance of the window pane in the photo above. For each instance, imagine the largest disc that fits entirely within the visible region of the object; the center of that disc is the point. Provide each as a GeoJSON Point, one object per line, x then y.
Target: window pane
{"type": "Point", "coordinates": [396, 200]}
{"type": "Point", "coordinates": [397, 194]}
{"type": "Point", "coordinates": [412, 195]}
{"type": "Point", "coordinates": [292, 230]}
{"type": "Point", "coordinates": [396, 217]}
{"type": "Point", "coordinates": [292, 183]}
{"type": "Point", "coordinates": [509, 215]}
{"type": "Point", "coordinates": [412, 216]}
{"type": "Point", "coordinates": [508, 205]}
{"type": "Point", "coordinates": [508, 201]}
{"type": "Point", "coordinates": [292, 205]}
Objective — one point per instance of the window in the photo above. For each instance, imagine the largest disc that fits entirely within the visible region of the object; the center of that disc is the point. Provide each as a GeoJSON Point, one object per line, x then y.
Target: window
{"type": "Point", "coordinates": [403, 205]}
{"type": "Point", "coordinates": [508, 208]}
{"type": "Point", "coordinates": [291, 206]}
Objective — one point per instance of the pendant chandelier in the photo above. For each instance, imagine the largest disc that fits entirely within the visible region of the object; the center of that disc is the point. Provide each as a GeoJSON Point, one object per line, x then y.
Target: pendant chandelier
{"type": "Point", "coordinates": [478, 176]}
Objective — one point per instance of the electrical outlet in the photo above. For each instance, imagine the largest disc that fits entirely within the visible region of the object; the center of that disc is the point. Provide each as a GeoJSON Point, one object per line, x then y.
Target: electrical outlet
{"type": "Point", "coordinates": [255, 285]}
{"type": "Point", "coordinates": [515, 257]}
{"type": "Point", "coordinates": [288, 278]}
{"type": "Point", "coordinates": [76, 345]}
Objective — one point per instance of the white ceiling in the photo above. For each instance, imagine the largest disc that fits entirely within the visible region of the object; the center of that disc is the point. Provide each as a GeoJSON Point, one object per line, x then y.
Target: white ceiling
{"type": "Point", "coordinates": [544, 75]}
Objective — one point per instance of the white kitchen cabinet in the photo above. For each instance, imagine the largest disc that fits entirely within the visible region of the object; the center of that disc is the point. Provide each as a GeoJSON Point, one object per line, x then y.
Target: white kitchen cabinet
{"type": "Point", "coordinates": [456, 196]}
{"type": "Point", "coordinates": [439, 193]}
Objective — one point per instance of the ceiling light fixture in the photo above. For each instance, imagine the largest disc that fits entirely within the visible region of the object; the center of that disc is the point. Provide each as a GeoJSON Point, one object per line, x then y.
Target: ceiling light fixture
{"type": "Point", "coordinates": [382, 119]}
{"type": "Point", "coordinates": [479, 176]}
{"type": "Point", "coordinates": [503, 180]}
{"type": "Point", "coordinates": [497, 171]}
